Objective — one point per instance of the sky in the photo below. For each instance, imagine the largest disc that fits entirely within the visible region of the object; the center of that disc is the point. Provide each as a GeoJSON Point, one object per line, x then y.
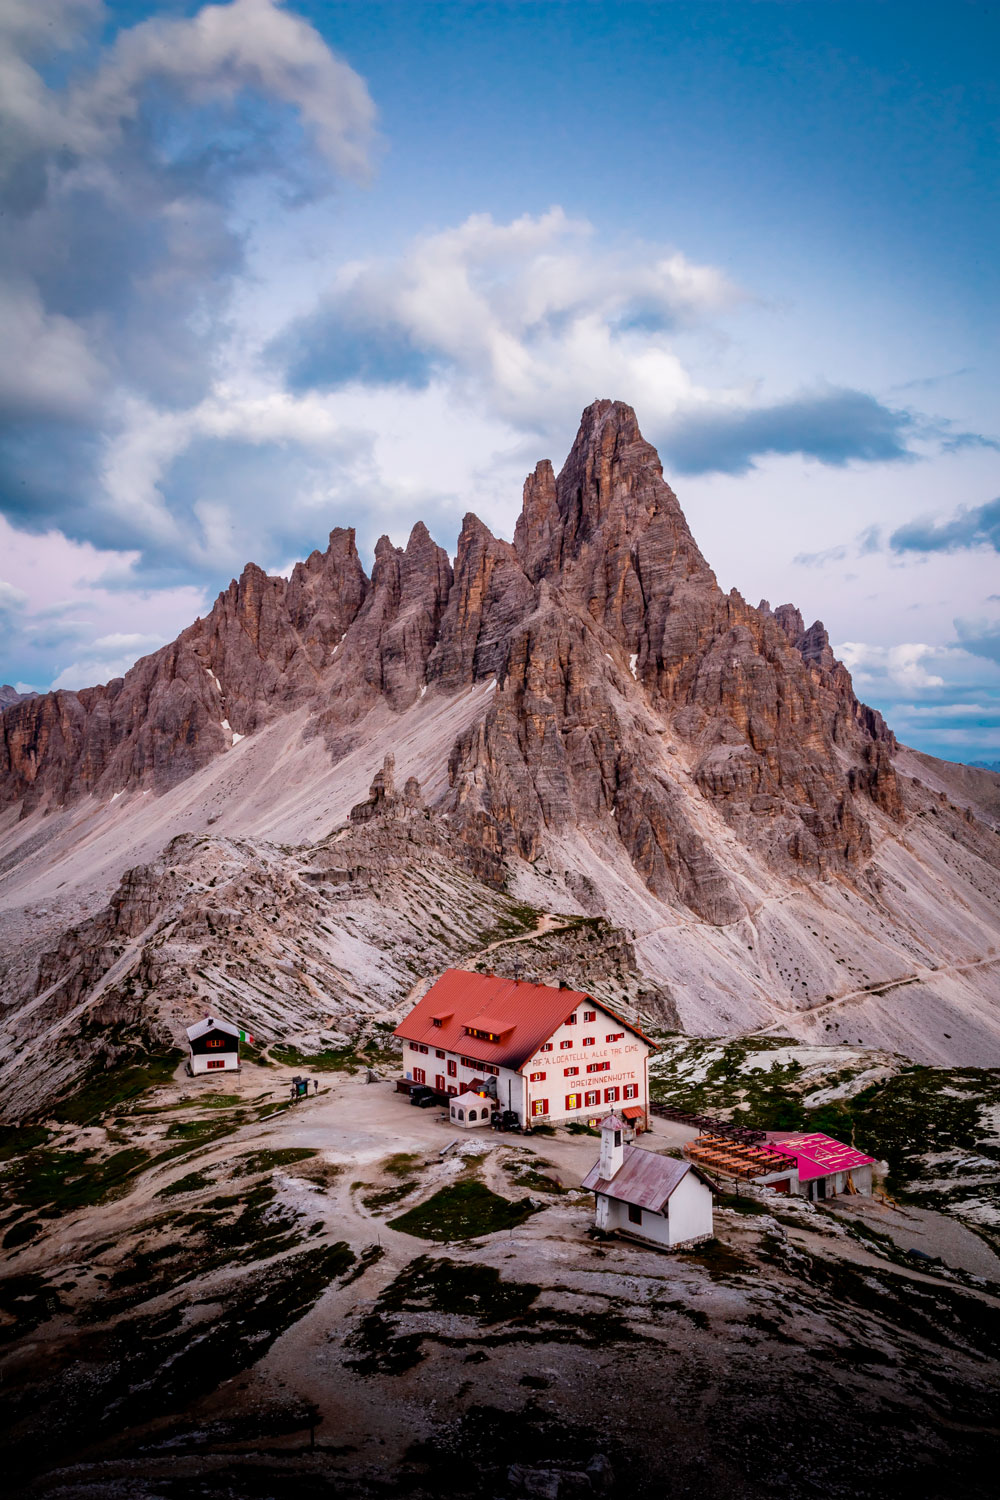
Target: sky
{"type": "Point", "coordinates": [266, 269]}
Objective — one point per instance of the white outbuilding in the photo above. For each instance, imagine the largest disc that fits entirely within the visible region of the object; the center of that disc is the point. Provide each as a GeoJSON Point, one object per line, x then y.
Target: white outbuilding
{"type": "Point", "coordinates": [645, 1196]}
{"type": "Point", "coordinates": [214, 1046]}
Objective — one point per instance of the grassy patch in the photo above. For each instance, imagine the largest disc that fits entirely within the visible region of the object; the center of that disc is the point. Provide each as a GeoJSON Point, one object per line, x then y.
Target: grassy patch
{"type": "Point", "coordinates": [267, 1160]}
{"type": "Point", "coordinates": [149, 1365]}
{"type": "Point", "coordinates": [330, 1060]}
{"type": "Point", "coordinates": [527, 1175]}
{"type": "Point", "coordinates": [431, 1285]}
{"type": "Point", "coordinates": [401, 1165]}
{"type": "Point", "coordinates": [378, 1199]}
{"type": "Point", "coordinates": [16, 1140]}
{"type": "Point", "coordinates": [461, 1211]}
{"type": "Point", "coordinates": [194, 1182]}
{"type": "Point", "coordinates": [105, 1090]}
{"type": "Point", "coordinates": [60, 1181]}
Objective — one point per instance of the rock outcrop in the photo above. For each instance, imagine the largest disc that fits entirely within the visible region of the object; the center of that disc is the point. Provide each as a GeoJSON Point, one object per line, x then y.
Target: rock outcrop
{"type": "Point", "coordinates": [624, 677]}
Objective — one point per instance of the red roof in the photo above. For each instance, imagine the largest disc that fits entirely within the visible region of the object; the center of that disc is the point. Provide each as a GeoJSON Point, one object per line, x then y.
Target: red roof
{"type": "Point", "coordinates": [523, 1015]}
{"type": "Point", "coordinates": [818, 1155]}
{"type": "Point", "coordinates": [634, 1112]}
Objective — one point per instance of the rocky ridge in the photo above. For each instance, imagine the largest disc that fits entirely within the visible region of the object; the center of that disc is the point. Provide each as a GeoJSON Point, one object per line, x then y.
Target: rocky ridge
{"type": "Point", "coordinates": [596, 727]}
{"type": "Point", "coordinates": [602, 625]}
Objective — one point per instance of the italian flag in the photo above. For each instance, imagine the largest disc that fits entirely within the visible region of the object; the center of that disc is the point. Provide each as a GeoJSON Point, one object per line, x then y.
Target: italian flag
{"type": "Point", "coordinates": [246, 1037]}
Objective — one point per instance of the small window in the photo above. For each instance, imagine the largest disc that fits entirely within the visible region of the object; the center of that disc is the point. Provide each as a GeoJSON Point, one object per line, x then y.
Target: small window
{"type": "Point", "coordinates": [435, 1020]}
{"type": "Point", "coordinates": [452, 1089]}
{"type": "Point", "coordinates": [489, 1068]}
{"type": "Point", "coordinates": [537, 1078]}
{"type": "Point", "coordinates": [631, 1091]}
{"type": "Point", "coordinates": [423, 1048]}
{"type": "Point", "coordinates": [540, 1107]}
{"type": "Point", "coordinates": [545, 1047]}
{"type": "Point", "coordinates": [618, 1138]}
{"type": "Point", "coordinates": [594, 1097]}
{"type": "Point", "coordinates": [571, 1020]}
{"type": "Point", "coordinates": [570, 1072]}
{"type": "Point", "coordinates": [589, 1041]}
{"type": "Point", "coordinates": [438, 1052]}
{"type": "Point", "coordinates": [452, 1069]}
{"type": "Point", "coordinates": [634, 1214]}
{"type": "Point", "coordinates": [614, 1036]}
{"type": "Point", "coordinates": [439, 1083]}
{"type": "Point", "coordinates": [590, 1015]}
{"type": "Point", "coordinates": [419, 1076]}
{"type": "Point", "coordinates": [566, 1045]}
{"type": "Point", "coordinates": [572, 1101]}
{"type": "Point", "coordinates": [216, 1062]}
{"type": "Point", "coordinates": [611, 1096]}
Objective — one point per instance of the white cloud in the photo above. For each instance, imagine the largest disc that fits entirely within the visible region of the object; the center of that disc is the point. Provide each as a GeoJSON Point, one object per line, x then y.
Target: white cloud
{"type": "Point", "coordinates": [11, 597]}
{"type": "Point", "coordinates": [904, 666]}
{"type": "Point", "coordinates": [531, 318]}
{"type": "Point", "coordinates": [220, 52]}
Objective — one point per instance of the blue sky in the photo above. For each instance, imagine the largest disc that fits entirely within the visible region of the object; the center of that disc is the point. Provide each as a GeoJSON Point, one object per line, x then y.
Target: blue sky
{"type": "Point", "coordinates": [268, 269]}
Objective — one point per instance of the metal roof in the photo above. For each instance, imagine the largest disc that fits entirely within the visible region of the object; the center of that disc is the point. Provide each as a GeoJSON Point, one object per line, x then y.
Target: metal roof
{"type": "Point", "coordinates": [211, 1023]}
{"type": "Point", "coordinates": [818, 1155]}
{"type": "Point", "coordinates": [644, 1178]}
{"type": "Point", "coordinates": [523, 1015]}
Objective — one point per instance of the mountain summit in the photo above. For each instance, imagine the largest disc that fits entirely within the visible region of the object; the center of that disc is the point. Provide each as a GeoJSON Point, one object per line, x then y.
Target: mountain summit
{"type": "Point", "coordinates": [594, 724]}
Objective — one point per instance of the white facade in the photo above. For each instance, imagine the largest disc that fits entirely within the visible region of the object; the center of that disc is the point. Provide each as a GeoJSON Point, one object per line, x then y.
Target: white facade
{"type": "Point", "coordinates": [687, 1219]}
{"type": "Point", "coordinates": [600, 1064]}
{"type": "Point", "coordinates": [228, 1062]}
{"type": "Point", "coordinates": [599, 1075]}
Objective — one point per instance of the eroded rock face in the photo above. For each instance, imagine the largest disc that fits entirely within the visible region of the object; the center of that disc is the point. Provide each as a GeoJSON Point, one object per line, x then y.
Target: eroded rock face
{"type": "Point", "coordinates": [610, 643]}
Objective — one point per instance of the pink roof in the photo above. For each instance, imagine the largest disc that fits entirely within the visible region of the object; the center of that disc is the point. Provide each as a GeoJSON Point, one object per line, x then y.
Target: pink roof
{"type": "Point", "coordinates": [817, 1154]}
{"type": "Point", "coordinates": [523, 1015]}
{"type": "Point", "coordinates": [644, 1178]}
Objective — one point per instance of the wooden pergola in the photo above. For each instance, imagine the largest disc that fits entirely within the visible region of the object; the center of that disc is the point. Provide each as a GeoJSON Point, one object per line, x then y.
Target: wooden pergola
{"type": "Point", "coordinates": [736, 1158]}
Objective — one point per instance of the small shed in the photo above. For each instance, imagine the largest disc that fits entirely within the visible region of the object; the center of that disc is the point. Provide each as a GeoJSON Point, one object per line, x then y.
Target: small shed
{"type": "Point", "coordinates": [472, 1108]}
{"type": "Point", "coordinates": [645, 1196]}
{"type": "Point", "coordinates": [214, 1046]}
{"type": "Point", "coordinates": [825, 1166]}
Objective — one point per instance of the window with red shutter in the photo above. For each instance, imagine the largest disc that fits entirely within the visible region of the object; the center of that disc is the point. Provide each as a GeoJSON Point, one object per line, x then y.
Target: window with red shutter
{"type": "Point", "coordinates": [419, 1076]}
{"type": "Point", "coordinates": [589, 1041]}
{"type": "Point", "coordinates": [540, 1107]}
{"type": "Point", "coordinates": [593, 1097]}
{"type": "Point", "coordinates": [452, 1069]}
{"type": "Point", "coordinates": [537, 1078]}
{"type": "Point", "coordinates": [570, 1072]}
{"type": "Point", "coordinates": [610, 1096]}
{"type": "Point", "coordinates": [614, 1036]}
{"type": "Point", "coordinates": [438, 1052]}
{"type": "Point", "coordinates": [572, 1101]}
{"type": "Point", "coordinates": [631, 1091]}
{"type": "Point", "coordinates": [571, 1020]}
{"type": "Point", "coordinates": [566, 1045]}
{"type": "Point", "coordinates": [439, 1083]}
{"type": "Point", "coordinates": [590, 1015]}
{"type": "Point", "coordinates": [545, 1047]}
{"type": "Point", "coordinates": [216, 1062]}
